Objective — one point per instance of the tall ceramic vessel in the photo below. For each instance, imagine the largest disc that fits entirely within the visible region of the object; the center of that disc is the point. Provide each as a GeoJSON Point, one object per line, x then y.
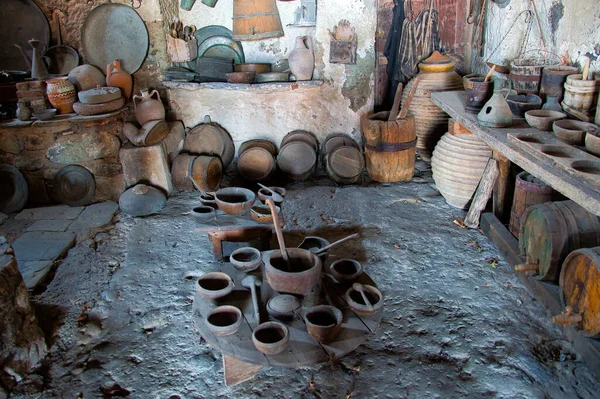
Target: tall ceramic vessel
{"type": "Point", "coordinates": [117, 77]}
{"type": "Point", "coordinates": [302, 58]}
{"type": "Point", "coordinates": [61, 94]}
{"type": "Point", "coordinates": [436, 73]}
{"type": "Point", "coordinates": [148, 108]}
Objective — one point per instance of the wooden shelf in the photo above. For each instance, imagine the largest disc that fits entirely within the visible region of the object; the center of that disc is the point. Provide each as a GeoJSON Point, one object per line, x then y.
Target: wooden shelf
{"type": "Point", "coordinates": [254, 87]}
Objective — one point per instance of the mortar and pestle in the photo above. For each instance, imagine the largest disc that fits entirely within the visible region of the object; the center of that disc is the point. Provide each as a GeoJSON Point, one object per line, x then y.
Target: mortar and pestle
{"type": "Point", "coordinates": [364, 299]}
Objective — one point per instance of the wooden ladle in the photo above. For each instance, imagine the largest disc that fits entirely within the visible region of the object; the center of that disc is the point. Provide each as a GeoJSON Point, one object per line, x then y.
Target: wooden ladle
{"type": "Point", "coordinates": [334, 244]}
{"type": "Point", "coordinates": [275, 196]}
{"type": "Point", "coordinates": [279, 233]}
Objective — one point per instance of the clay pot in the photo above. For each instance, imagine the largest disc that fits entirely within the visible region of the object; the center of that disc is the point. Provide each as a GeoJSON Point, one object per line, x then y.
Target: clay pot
{"type": "Point", "coordinates": [357, 302]}
{"type": "Point", "coordinates": [45, 114]}
{"type": "Point", "coordinates": [246, 259]}
{"type": "Point", "coordinates": [346, 270]}
{"type": "Point", "coordinates": [85, 77]}
{"type": "Point", "coordinates": [224, 320]}
{"type": "Point", "coordinates": [302, 58]}
{"type": "Point", "coordinates": [323, 323]}
{"type": "Point", "coordinates": [478, 92]}
{"type": "Point", "coordinates": [142, 200]}
{"type": "Point", "coordinates": [592, 143]}
{"type": "Point", "coordinates": [304, 273]}
{"type": "Point", "coordinates": [207, 199]}
{"type": "Point", "coordinates": [235, 201]}
{"type": "Point", "coordinates": [117, 77]}
{"type": "Point", "coordinates": [148, 109]}
{"type": "Point", "coordinates": [203, 213]}
{"type": "Point", "coordinates": [271, 337]}
{"type": "Point", "coordinates": [542, 119]}
{"type": "Point", "coordinates": [214, 285]}
{"type": "Point", "coordinates": [61, 94]}
{"type": "Point", "coordinates": [553, 80]}
{"type": "Point", "coordinates": [521, 103]}
{"type": "Point", "coordinates": [571, 131]}
{"type": "Point", "coordinates": [207, 172]}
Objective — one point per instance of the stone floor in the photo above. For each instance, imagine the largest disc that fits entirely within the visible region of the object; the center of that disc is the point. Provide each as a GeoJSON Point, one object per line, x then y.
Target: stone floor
{"type": "Point", "coordinates": [457, 322]}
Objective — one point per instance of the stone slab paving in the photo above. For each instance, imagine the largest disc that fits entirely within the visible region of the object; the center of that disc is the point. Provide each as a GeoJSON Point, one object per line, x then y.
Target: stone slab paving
{"type": "Point", "coordinates": [58, 212]}
{"type": "Point", "coordinates": [34, 271]}
{"type": "Point", "coordinates": [42, 245]}
{"type": "Point", "coordinates": [96, 215]}
{"type": "Point", "coordinates": [50, 225]}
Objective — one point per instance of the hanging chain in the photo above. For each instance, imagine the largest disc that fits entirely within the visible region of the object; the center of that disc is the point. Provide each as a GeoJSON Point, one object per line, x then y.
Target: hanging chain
{"type": "Point", "coordinates": [528, 19]}
{"type": "Point", "coordinates": [525, 40]}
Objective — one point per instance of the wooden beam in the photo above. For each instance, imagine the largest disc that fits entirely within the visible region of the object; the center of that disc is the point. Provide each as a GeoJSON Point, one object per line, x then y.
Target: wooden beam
{"type": "Point", "coordinates": [483, 194]}
{"type": "Point", "coordinates": [503, 188]}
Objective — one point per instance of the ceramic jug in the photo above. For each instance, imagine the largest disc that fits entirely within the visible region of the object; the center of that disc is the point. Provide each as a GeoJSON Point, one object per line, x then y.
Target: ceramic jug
{"type": "Point", "coordinates": [117, 77]}
{"type": "Point", "coordinates": [148, 108]}
{"type": "Point", "coordinates": [23, 111]}
{"type": "Point", "coordinates": [302, 58]}
{"type": "Point", "coordinates": [496, 112]}
{"type": "Point", "coordinates": [61, 94]}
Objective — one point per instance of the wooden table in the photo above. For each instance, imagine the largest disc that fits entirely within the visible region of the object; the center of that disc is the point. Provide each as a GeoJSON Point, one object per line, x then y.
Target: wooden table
{"type": "Point", "coordinates": [242, 361]}
{"type": "Point", "coordinates": [572, 185]}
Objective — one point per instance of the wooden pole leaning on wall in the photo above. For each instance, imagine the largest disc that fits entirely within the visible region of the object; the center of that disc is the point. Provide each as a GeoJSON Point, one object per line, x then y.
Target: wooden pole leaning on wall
{"type": "Point", "coordinates": [483, 194]}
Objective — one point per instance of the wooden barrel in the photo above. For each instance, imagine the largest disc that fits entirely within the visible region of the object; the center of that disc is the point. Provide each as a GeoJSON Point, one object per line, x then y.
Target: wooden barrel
{"type": "Point", "coordinates": [389, 147]}
{"type": "Point", "coordinates": [334, 141]}
{"type": "Point", "coordinates": [345, 164]}
{"type": "Point", "coordinates": [256, 164]}
{"type": "Point", "coordinates": [580, 290]}
{"type": "Point", "coordinates": [529, 191]}
{"type": "Point", "coordinates": [458, 162]}
{"type": "Point", "coordinates": [550, 231]}
{"type": "Point", "coordinates": [181, 171]}
{"type": "Point", "coordinates": [210, 138]}
{"type": "Point", "coordinates": [256, 20]}
{"type": "Point", "coordinates": [297, 160]}
{"type": "Point", "coordinates": [581, 97]}
{"type": "Point", "coordinates": [207, 172]}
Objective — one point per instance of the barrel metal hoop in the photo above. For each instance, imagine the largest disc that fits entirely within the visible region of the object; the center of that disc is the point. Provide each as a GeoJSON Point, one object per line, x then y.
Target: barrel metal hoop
{"type": "Point", "coordinates": [391, 147]}
{"type": "Point", "coordinates": [260, 14]}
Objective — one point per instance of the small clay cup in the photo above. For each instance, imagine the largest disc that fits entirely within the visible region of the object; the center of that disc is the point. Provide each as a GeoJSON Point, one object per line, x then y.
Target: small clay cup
{"type": "Point", "coordinates": [357, 303]}
{"type": "Point", "coordinates": [346, 270]}
{"type": "Point", "coordinates": [214, 285]}
{"type": "Point", "coordinates": [203, 213]}
{"type": "Point", "coordinates": [323, 323]}
{"type": "Point", "coordinates": [271, 337]}
{"type": "Point", "coordinates": [224, 320]}
{"type": "Point", "coordinates": [246, 259]}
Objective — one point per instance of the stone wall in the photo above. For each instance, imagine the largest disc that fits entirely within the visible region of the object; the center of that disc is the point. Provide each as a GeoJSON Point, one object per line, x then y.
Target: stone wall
{"type": "Point", "coordinates": [569, 27]}
{"type": "Point", "coordinates": [40, 149]}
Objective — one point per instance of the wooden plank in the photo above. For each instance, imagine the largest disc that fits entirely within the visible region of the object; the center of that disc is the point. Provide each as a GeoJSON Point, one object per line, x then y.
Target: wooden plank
{"type": "Point", "coordinates": [483, 194]}
{"type": "Point", "coordinates": [546, 294]}
{"type": "Point", "coordinates": [503, 189]}
{"type": "Point", "coordinates": [586, 195]}
{"type": "Point", "coordinates": [235, 371]}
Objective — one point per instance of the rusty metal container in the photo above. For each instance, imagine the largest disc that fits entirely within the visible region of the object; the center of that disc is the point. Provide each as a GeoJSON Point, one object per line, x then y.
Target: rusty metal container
{"type": "Point", "coordinates": [436, 73]}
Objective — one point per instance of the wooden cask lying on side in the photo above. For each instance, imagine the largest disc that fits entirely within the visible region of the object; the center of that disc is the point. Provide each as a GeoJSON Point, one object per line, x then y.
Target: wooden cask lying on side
{"type": "Point", "coordinates": [390, 147]}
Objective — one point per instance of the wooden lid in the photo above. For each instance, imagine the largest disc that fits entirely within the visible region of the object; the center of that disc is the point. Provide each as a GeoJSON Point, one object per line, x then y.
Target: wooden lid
{"type": "Point", "coordinates": [255, 164]}
{"type": "Point", "coordinates": [266, 144]}
{"type": "Point", "coordinates": [346, 162]}
{"type": "Point", "coordinates": [301, 135]}
{"type": "Point", "coordinates": [155, 132]}
{"type": "Point", "coordinates": [207, 172]}
{"type": "Point", "coordinates": [210, 139]}
{"type": "Point", "coordinates": [297, 158]}
{"type": "Point", "coordinates": [336, 140]}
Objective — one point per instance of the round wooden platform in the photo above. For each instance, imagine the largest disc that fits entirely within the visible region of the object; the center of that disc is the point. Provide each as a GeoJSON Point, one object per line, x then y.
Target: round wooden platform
{"type": "Point", "coordinates": [302, 349]}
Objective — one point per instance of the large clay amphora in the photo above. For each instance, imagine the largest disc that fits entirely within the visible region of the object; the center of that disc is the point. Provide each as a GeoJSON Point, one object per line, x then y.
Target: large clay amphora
{"type": "Point", "coordinates": [117, 77]}
{"type": "Point", "coordinates": [148, 108]}
{"type": "Point", "coordinates": [302, 58]}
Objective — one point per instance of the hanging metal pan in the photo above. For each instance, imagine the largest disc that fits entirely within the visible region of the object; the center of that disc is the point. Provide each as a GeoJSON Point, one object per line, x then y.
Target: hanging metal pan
{"type": "Point", "coordinates": [62, 58]}
{"type": "Point", "coordinates": [115, 32]}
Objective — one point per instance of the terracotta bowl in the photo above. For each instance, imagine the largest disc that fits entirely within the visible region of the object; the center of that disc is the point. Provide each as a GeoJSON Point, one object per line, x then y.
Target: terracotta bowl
{"type": "Point", "coordinates": [543, 119]}
{"type": "Point", "coordinates": [592, 144]}
{"type": "Point", "coordinates": [246, 259]}
{"type": "Point", "coordinates": [235, 201]}
{"type": "Point", "coordinates": [224, 320]}
{"type": "Point", "coordinates": [358, 304]}
{"type": "Point", "coordinates": [521, 103]}
{"type": "Point", "coordinates": [263, 194]}
{"type": "Point", "coordinates": [262, 213]}
{"type": "Point", "coordinates": [323, 322]}
{"type": "Point", "coordinates": [304, 273]}
{"type": "Point", "coordinates": [240, 77]}
{"type": "Point", "coordinates": [214, 285]}
{"type": "Point", "coordinates": [207, 199]}
{"type": "Point", "coordinates": [271, 337]}
{"type": "Point", "coordinates": [346, 270]}
{"type": "Point", "coordinates": [571, 131]}
{"type": "Point", "coordinates": [203, 213]}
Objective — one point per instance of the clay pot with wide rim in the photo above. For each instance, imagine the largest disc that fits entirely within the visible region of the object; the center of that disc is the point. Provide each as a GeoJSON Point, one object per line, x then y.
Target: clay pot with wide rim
{"type": "Point", "coordinates": [148, 108]}
{"type": "Point", "coordinates": [224, 320]}
{"type": "Point", "coordinates": [302, 276]}
{"type": "Point", "coordinates": [214, 285]}
{"type": "Point", "coordinates": [323, 323]}
{"type": "Point", "coordinates": [61, 94]}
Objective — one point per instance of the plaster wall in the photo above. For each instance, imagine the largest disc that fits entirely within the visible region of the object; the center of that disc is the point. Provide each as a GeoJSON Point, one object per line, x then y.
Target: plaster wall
{"type": "Point", "coordinates": [571, 26]}
{"type": "Point", "coordinates": [335, 106]}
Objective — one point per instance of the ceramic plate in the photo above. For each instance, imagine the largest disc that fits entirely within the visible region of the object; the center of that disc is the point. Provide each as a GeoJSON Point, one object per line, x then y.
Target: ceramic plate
{"type": "Point", "coordinates": [115, 32]}
{"type": "Point", "coordinates": [222, 47]}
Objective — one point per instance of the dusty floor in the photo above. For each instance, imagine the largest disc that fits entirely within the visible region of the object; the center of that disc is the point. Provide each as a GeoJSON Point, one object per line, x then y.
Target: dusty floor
{"type": "Point", "coordinates": [457, 321]}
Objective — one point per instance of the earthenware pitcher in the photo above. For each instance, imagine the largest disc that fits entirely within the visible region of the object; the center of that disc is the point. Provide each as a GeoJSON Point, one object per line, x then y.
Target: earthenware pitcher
{"type": "Point", "coordinates": [302, 58]}
{"type": "Point", "coordinates": [148, 108]}
{"type": "Point", "coordinates": [117, 77]}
